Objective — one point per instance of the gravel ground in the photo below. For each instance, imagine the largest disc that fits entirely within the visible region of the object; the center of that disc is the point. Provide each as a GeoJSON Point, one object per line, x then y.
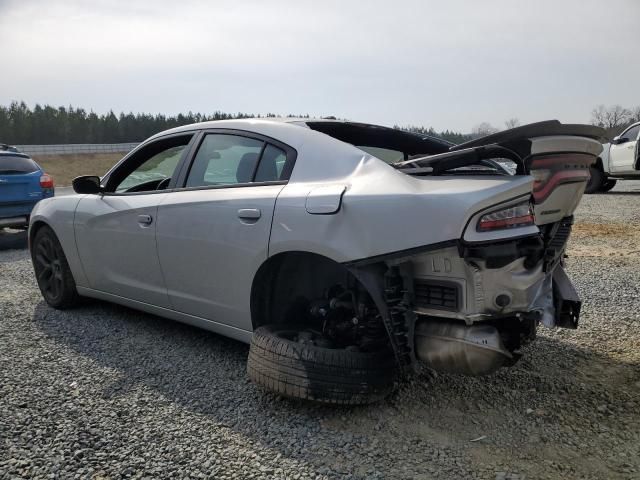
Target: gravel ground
{"type": "Point", "coordinates": [106, 392]}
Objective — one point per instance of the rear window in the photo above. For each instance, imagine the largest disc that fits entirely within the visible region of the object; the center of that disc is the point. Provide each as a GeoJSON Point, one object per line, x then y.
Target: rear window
{"type": "Point", "coordinates": [388, 144]}
{"type": "Point", "coordinates": [386, 154]}
{"type": "Point", "coordinates": [15, 165]}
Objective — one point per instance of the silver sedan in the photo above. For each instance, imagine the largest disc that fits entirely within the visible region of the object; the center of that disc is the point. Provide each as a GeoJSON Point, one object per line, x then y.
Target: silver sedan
{"type": "Point", "coordinates": [342, 252]}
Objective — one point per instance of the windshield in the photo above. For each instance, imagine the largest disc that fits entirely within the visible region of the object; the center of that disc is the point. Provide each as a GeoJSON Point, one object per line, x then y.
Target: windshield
{"type": "Point", "coordinates": [15, 165]}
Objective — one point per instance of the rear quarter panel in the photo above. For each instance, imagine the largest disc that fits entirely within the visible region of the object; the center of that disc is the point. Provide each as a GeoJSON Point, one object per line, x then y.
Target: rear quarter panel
{"type": "Point", "coordinates": [385, 211]}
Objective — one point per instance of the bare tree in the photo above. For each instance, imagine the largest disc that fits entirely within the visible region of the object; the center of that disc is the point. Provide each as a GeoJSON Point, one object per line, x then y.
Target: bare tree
{"type": "Point", "coordinates": [512, 123]}
{"type": "Point", "coordinates": [597, 115]}
{"type": "Point", "coordinates": [635, 114]}
{"type": "Point", "coordinates": [610, 117]}
{"type": "Point", "coordinates": [484, 128]}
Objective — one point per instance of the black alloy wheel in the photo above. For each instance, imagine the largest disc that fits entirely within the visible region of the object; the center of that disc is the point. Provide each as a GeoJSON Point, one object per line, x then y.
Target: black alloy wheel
{"type": "Point", "coordinates": [52, 270]}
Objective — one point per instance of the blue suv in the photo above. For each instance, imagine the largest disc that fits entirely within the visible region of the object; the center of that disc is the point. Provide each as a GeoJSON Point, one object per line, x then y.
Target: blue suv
{"type": "Point", "coordinates": [22, 184]}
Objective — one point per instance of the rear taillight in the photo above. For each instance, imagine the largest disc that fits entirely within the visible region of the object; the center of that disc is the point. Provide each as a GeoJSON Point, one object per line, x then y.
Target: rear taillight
{"type": "Point", "coordinates": [46, 181]}
{"type": "Point", "coordinates": [551, 170]}
{"type": "Point", "coordinates": [519, 215]}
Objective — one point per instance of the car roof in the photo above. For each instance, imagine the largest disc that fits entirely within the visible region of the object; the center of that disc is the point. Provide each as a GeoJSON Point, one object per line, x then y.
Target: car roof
{"type": "Point", "coordinates": [6, 146]}
{"type": "Point", "coordinates": [10, 153]}
{"type": "Point", "coordinates": [302, 122]}
{"type": "Point", "coordinates": [247, 121]}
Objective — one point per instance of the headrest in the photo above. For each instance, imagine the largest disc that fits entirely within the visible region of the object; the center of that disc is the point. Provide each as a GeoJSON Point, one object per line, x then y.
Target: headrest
{"type": "Point", "coordinates": [246, 167]}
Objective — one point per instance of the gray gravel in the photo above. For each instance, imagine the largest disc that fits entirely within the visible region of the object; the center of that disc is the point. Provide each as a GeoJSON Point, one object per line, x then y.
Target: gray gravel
{"type": "Point", "coordinates": [107, 392]}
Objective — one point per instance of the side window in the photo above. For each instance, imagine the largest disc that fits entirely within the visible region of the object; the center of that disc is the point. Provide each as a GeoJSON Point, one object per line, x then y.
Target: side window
{"type": "Point", "coordinates": [150, 168]}
{"type": "Point", "coordinates": [271, 165]}
{"type": "Point", "coordinates": [632, 133]}
{"type": "Point", "coordinates": [224, 160]}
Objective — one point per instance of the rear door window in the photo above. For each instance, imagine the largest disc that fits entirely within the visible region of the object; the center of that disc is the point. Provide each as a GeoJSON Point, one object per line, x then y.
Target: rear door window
{"type": "Point", "coordinates": [16, 165]}
{"type": "Point", "coordinates": [271, 165]}
{"type": "Point", "coordinates": [224, 160]}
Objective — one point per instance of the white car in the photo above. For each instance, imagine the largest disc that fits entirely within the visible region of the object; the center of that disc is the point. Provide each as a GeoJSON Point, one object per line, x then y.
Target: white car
{"type": "Point", "coordinates": [342, 252]}
{"type": "Point", "coordinates": [619, 160]}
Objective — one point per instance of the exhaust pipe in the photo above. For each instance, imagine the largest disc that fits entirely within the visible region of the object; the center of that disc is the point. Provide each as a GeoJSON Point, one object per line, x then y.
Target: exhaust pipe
{"type": "Point", "coordinates": [451, 347]}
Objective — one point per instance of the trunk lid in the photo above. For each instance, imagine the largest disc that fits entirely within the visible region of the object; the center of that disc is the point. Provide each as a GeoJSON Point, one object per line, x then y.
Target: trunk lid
{"type": "Point", "coordinates": [19, 179]}
{"type": "Point", "coordinates": [14, 188]}
{"type": "Point", "coordinates": [558, 156]}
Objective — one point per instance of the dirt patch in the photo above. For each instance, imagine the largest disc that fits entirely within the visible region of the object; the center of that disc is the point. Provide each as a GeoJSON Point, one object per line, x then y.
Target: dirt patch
{"type": "Point", "coordinates": [64, 168]}
{"type": "Point", "coordinates": [602, 229]}
{"type": "Point", "coordinates": [605, 240]}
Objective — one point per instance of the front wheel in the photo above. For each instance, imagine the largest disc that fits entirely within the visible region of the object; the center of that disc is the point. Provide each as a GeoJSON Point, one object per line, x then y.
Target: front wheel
{"type": "Point", "coordinates": [596, 180]}
{"type": "Point", "coordinates": [289, 362]}
{"type": "Point", "coordinates": [52, 270]}
{"type": "Point", "coordinates": [608, 185]}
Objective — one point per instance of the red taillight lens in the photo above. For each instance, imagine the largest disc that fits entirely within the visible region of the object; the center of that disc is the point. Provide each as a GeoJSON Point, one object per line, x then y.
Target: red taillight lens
{"type": "Point", "coordinates": [519, 215]}
{"type": "Point", "coordinates": [46, 181]}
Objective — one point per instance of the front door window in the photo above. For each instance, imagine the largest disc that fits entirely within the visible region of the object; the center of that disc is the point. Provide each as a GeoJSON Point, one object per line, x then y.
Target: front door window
{"type": "Point", "coordinates": [150, 168]}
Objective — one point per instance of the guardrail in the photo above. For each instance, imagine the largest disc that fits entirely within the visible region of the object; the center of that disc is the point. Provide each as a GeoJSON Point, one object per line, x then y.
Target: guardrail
{"type": "Point", "coordinates": [72, 148]}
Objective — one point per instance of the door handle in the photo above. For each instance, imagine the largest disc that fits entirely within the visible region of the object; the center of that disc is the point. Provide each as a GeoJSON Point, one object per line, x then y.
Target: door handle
{"type": "Point", "coordinates": [145, 219]}
{"type": "Point", "coordinates": [249, 213]}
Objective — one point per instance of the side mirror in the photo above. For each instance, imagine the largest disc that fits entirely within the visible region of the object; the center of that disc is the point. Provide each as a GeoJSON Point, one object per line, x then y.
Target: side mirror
{"type": "Point", "coordinates": [618, 140]}
{"type": "Point", "coordinates": [86, 184]}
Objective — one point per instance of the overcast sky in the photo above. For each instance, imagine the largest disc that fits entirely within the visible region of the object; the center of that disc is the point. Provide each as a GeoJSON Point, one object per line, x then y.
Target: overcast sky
{"type": "Point", "coordinates": [447, 64]}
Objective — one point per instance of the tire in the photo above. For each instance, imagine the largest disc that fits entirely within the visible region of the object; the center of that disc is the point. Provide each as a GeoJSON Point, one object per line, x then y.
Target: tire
{"type": "Point", "coordinates": [309, 372]}
{"type": "Point", "coordinates": [608, 185]}
{"type": "Point", "coordinates": [596, 180]}
{"type": "Point", "coordinates": [52, 270]}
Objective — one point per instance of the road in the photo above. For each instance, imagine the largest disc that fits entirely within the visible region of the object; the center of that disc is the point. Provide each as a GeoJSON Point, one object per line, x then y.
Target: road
{"type": "Point", "coordinates": [103, 391]}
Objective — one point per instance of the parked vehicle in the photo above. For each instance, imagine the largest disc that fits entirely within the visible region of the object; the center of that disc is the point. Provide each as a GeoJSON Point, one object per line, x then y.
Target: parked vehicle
{"type": "Point", "coordinates": [22, 184]}
{"type": "Point", "coordinates": [342, 252]}
{"type": "Point", "coordinates": [619, 160]}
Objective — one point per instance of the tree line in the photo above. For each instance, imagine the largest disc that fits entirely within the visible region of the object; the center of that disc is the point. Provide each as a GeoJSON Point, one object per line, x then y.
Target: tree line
{"type": "Point", "coordinates": [448, 135]}
{"type": "Point", "coordinates": [21, 125]}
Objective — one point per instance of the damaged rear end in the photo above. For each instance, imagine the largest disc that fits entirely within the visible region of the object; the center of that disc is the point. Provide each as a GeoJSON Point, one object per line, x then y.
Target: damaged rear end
{"type": "Point", "coordinates": [475, 303]}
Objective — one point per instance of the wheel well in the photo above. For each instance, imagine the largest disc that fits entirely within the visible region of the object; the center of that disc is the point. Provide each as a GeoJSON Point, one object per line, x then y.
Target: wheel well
{"type": "Point", "coordinates": [287, 276]}
{"type": "Point", "coordinates": [598, 164]}
{"type": "Point", "coordinates": [34, 229]}
{"type": "Point", "coordinates": [348, 307]}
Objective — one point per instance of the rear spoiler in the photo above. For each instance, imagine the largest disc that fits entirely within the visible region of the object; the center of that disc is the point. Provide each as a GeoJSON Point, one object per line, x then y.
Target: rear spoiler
{"type": "Point", "coordinates": [517, 139]}
{"type": "Point", "coordinates": [513, 144]}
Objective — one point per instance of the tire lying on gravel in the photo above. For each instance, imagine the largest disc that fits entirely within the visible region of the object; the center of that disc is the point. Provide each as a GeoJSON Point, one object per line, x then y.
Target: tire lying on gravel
{"type": "Point", "coordinates": [52, 270]}
{"type": "Point", "coordinates": [325, 375]}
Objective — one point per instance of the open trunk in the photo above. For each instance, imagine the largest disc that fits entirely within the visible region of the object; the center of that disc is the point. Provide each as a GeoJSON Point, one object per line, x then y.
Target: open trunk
{"type": "Point", "coordinates": [557, 156]}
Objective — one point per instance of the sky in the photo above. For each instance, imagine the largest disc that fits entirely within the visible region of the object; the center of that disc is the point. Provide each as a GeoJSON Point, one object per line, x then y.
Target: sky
{"type": "Point", "coordinates": [447, 64]}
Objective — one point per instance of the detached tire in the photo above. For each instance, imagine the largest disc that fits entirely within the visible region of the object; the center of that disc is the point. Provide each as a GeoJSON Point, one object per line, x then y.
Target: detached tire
{"type": "Point", "coordinates": [325, 375]}
{"type": "Point", "coordinates": [52, 270]}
